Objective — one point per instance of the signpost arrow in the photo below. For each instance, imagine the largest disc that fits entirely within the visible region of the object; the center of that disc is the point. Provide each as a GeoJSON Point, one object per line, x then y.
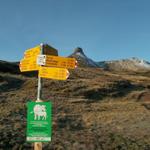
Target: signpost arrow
{"type": "Point", "coordinates": [25, 68]}
{"type": "Point", "coordinates": [58, 62]}
{"type": "Point", "coordinates": [28, 64]}
{"type": "Point", "coordinates": [32, 52]}
{"type": "Point", "coordinates": [53, 73]}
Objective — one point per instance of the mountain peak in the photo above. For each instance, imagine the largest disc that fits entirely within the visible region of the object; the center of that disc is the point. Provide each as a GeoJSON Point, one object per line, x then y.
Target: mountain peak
{"type": "Point", "coordinates": [78, 50]}
{"type": "Point", "coordinates": [82, 59]}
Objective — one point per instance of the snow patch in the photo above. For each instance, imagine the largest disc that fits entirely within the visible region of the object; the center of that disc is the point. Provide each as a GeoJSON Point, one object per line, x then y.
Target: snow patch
{"type": "Point", "coordinates": [87, 60]}
{"type": "Point", "coordinates": [80, 54]}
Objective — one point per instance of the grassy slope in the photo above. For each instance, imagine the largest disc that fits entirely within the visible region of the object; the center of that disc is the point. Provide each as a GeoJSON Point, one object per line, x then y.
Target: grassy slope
{"type": "Point", "coordinates": [93, 109]}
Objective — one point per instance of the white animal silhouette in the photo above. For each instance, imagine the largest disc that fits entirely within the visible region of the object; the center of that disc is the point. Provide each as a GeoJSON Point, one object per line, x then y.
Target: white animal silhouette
{"type": "Point", "coordinates": [39, 112]}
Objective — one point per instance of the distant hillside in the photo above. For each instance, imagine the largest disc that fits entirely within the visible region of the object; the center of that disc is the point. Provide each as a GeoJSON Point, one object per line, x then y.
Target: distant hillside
{"type": "Point", "coordinates": [9, 67]}
{"type": "Point", "coordinates": [132, 64]}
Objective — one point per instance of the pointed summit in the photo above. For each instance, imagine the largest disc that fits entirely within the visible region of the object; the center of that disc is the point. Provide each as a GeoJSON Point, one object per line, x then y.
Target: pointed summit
{"type": "Point", "coordinates": [78, 50]}
{"type": "Point", "coordinates": [82, 59]}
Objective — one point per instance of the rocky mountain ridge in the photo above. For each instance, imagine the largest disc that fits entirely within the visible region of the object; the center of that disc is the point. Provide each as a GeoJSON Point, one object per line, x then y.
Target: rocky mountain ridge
{"type": "Point", "coordinates": [130, 64]}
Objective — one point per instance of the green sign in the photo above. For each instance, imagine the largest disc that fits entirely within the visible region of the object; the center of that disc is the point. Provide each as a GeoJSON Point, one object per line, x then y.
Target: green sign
{"type": "Point", "coordinates": [39, 121]}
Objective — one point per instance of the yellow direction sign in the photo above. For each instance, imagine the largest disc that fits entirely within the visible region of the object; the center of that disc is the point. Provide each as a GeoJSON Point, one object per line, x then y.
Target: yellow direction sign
{"type": "Point", "coordinates": [28, 64]}
{"type": "Point", "coordinates": [53, 73]}
{"type": "Point", "coordinates": [29, 68]}
{"type": "Point", "coordinates": [32, 52]}
{"type": "Point", "coordinates": [28, 61]}
{"type": "Point", "coordinates": [59, 62]}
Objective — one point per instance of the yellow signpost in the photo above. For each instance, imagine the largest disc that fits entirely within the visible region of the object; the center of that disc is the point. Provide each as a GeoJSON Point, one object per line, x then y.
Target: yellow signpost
{"type": "Point", "coordinates": [28, 63]}
{"type": "Point", "coordinates": [45, 60]}
{"type": "Point", "coordinates": [32, 52]}
{"type": "Point", "coordinates": [26, 68]}
{"type": "Point", "coordinates": [53, 73]}
{"type": "Point", "coordinates": [60, 62]}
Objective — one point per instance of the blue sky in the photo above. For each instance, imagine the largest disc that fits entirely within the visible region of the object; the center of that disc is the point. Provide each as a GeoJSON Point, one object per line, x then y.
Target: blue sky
{"type": "Point", "coordinates": [105, 29]}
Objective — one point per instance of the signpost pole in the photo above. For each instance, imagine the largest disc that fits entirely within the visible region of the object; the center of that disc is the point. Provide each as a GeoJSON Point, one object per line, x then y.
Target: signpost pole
{"type": "Point", "coordinates": [39, 92]}
{"type": "Point", "coordinates": [38, 145]}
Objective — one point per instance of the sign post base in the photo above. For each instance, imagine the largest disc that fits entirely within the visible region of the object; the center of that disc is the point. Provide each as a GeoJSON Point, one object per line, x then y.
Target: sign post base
{"type": "Point", "coordinates": [38, 146]}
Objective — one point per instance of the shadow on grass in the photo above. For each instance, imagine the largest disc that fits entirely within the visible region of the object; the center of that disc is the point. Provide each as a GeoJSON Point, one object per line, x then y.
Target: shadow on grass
{"type": "Point", "coordinates": [117, 89]}
{"type": "Point", "coordinates": [9, 83]}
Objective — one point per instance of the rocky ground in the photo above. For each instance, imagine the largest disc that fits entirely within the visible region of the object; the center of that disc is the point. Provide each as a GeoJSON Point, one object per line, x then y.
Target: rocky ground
{"type": "Point", "coordinates": [92, 110]}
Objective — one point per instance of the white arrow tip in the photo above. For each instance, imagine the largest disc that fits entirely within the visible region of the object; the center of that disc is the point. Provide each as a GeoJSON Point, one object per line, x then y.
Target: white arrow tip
{"type": "Point", "coordinates": [68, 74]}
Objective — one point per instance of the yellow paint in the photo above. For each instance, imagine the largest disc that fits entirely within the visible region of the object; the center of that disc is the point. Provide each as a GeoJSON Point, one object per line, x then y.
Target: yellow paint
{"type": "Point", "coordinates": [53, 73]}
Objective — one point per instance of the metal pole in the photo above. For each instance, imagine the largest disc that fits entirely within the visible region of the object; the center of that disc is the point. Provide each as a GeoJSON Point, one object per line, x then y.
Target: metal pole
{"type": "Point", "coordinates": [38, 145]}
{"type": "Point", "coordinates": [39, 91]}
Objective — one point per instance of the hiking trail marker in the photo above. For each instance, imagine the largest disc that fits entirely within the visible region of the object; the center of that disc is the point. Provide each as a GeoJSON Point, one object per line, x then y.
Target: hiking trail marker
{"type": "Point", "coordinates": [39, 121]}
{"type": "Point", "coordinates": [45, 60]}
